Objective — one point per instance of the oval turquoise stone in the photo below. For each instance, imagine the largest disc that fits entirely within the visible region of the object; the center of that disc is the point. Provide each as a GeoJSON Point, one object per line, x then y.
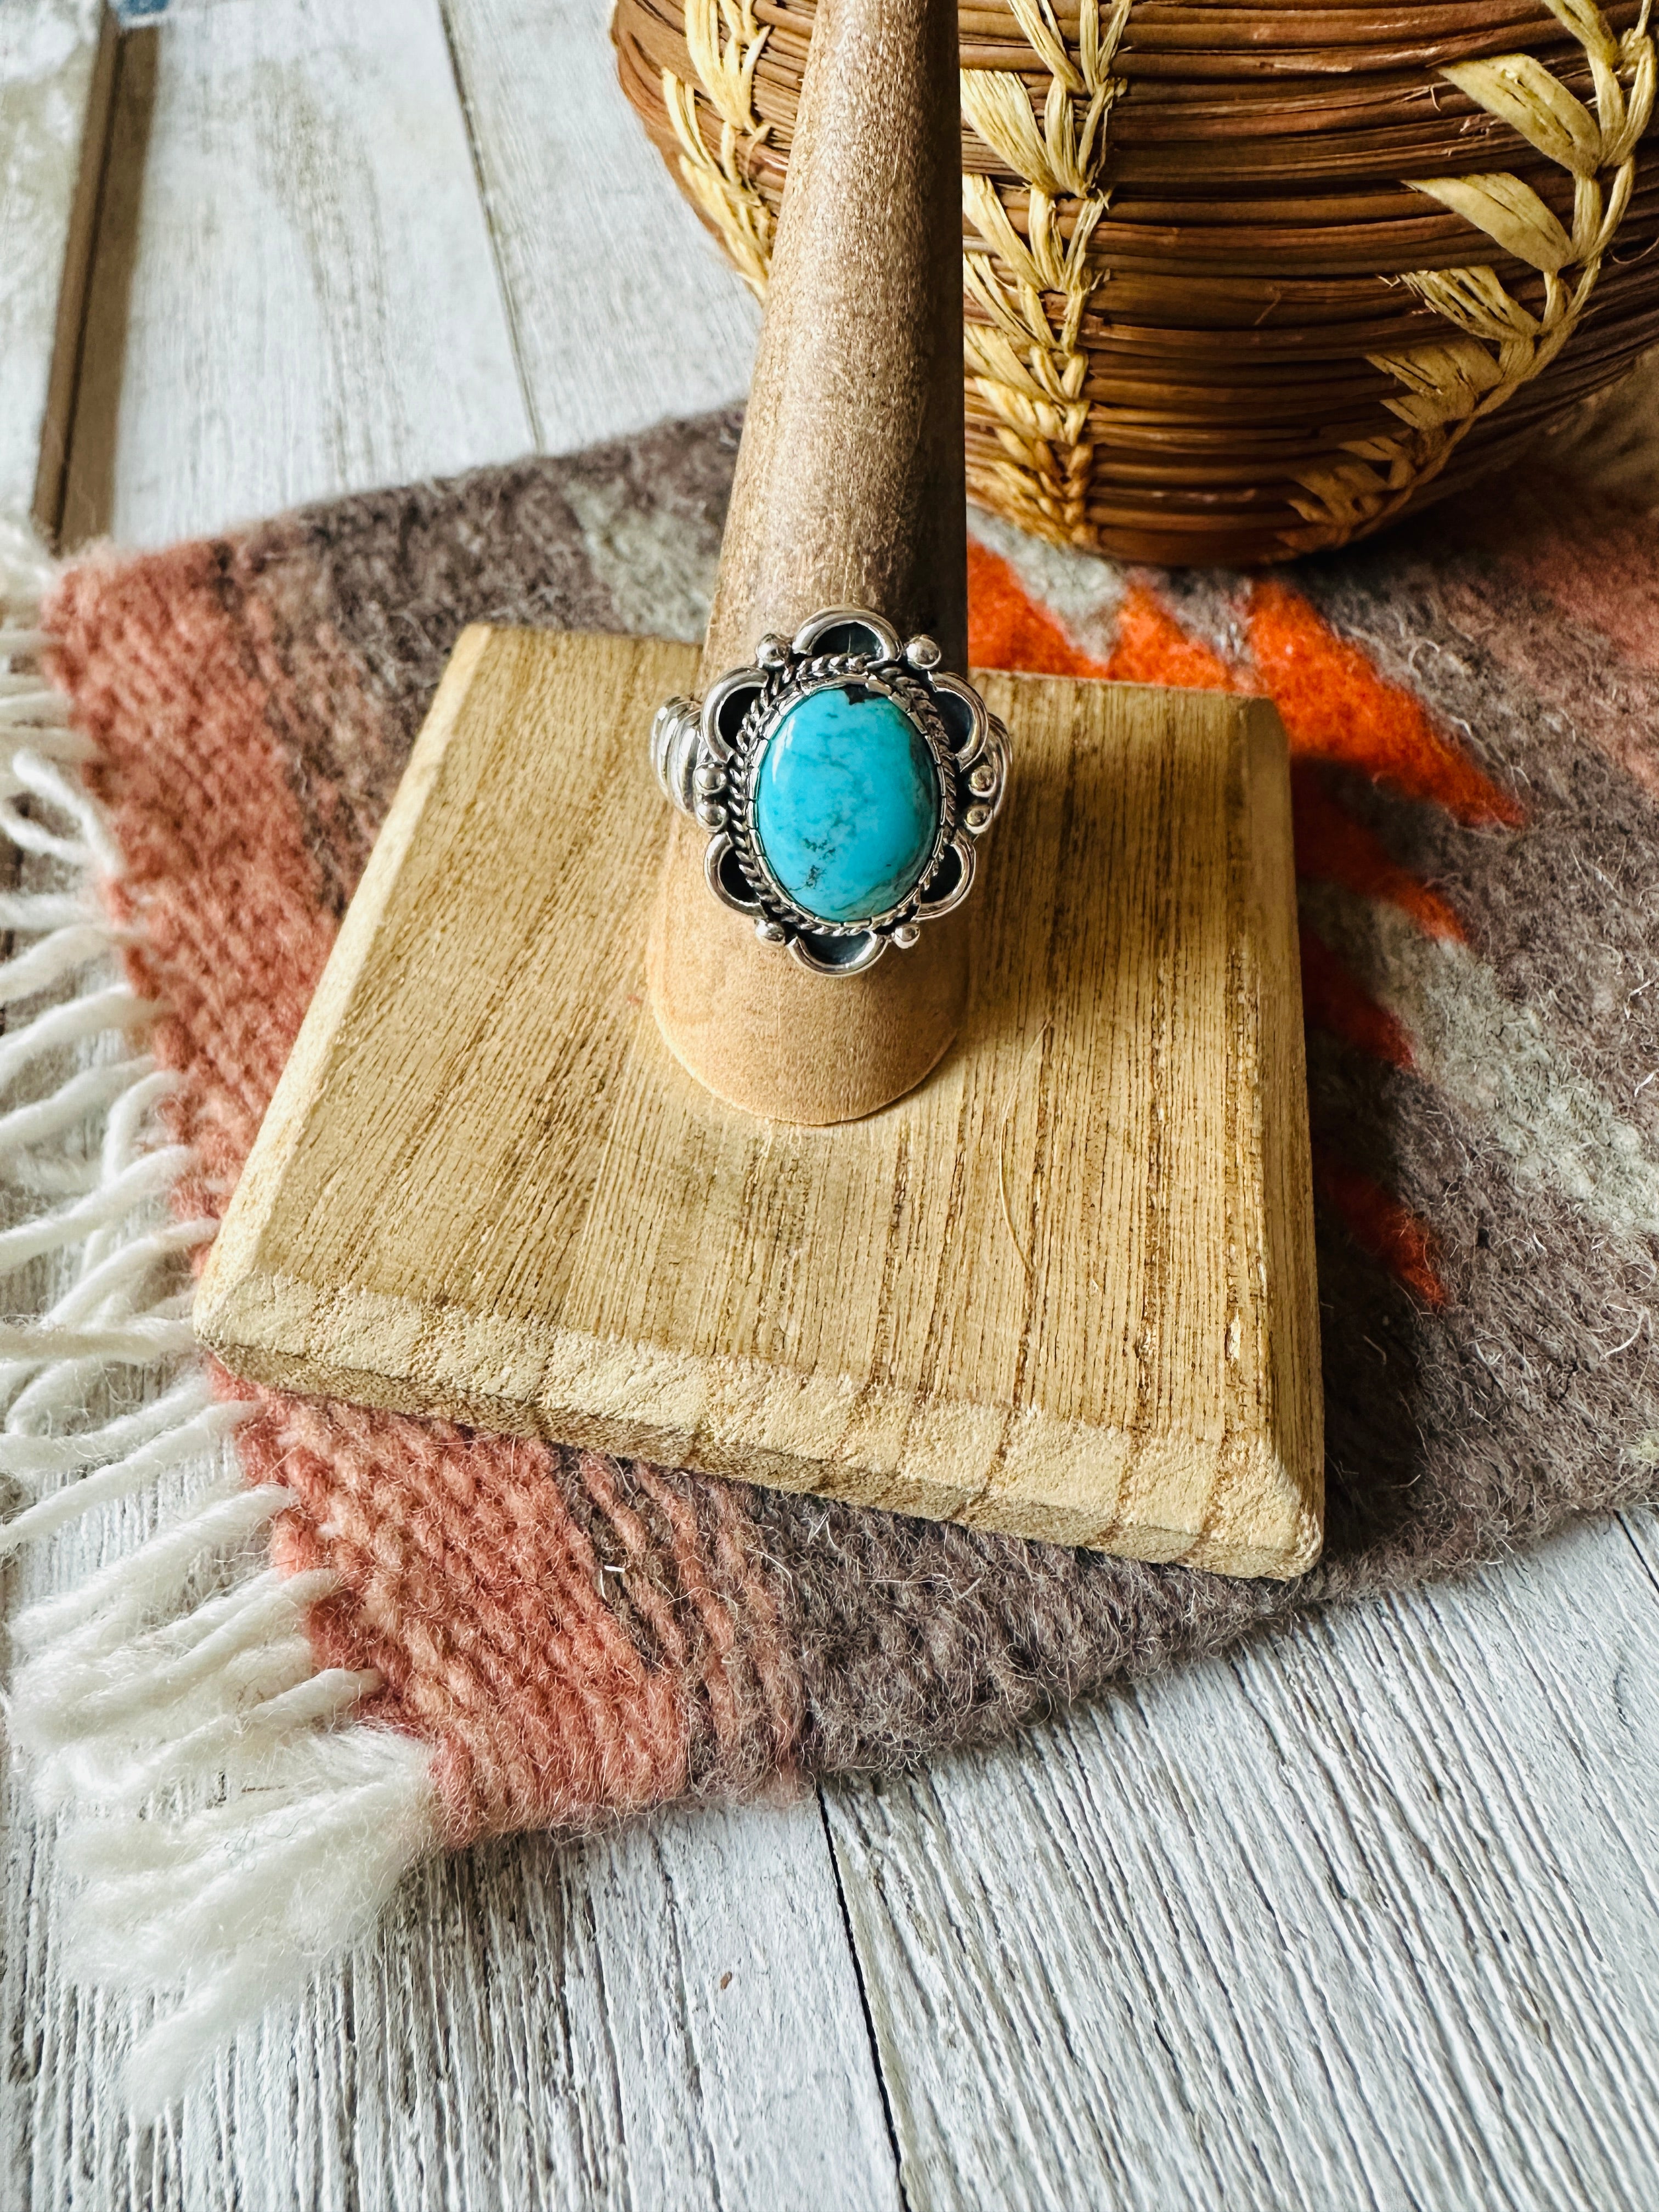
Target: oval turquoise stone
{"type": "Point", "coordinates": [846, 804]}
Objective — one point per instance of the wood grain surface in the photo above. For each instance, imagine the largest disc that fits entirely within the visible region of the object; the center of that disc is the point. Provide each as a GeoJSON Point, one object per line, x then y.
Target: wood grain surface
{"type": "Point", "coordinates": [56, 65]}
{"type": "Point", "coordinates": [1363, 1917]}
{"type": "Point", "coordinates": [1065, 1289]}
{"type": "Point", "coordinates": [321, 133]}
{"type": "Point", "coordinates": [849, 492]}
{"type": "Point", "coordinates": [621, 309]}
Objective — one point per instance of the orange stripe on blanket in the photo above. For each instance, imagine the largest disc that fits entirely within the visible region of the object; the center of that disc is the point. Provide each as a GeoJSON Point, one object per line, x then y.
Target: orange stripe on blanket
{"type": "Point", "coordinates": [1334, 1000]}
{"type": "Point", "coordinates": [1152, 647]}
{"type": "Point", "coordinates": [469, 1585]}
{"type": "Point", "coordinates": [1007, 627]}
{"type": "Point", "coordinates": [1331, 699]}
{"type": "Point", "coordinates": [1331, 846]}
{"type": "Point", "coordinates": [1335, 707]}
{"type": "Point", "coordinates": [219, 877]}
{"type": "Point", "coordinates": [1400, 1240]}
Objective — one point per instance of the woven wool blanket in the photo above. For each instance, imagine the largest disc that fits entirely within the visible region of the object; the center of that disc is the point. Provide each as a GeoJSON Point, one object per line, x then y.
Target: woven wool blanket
{"type": "Point", "coordinates": [351, 1638]}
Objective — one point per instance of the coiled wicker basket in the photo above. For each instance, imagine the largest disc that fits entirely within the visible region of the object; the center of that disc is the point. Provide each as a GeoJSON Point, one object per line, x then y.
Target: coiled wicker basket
{"type": "Point", "coordinates": [1241, 281]}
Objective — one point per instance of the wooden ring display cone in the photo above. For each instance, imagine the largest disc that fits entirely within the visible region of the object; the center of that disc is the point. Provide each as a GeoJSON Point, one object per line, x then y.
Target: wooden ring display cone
{"type": "Point", "coordinates": [849, 492]}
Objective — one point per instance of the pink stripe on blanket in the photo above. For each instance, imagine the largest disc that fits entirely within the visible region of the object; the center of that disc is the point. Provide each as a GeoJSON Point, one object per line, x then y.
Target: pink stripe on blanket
{"type": "Point", "coordinates": [217, 876]}
{"type": "Point", "coordinates": [467, 1582]}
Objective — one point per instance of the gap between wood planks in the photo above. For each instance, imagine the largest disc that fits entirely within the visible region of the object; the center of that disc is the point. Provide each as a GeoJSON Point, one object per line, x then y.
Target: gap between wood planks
{"type": "Point", "coordinates": [74, 501]}
{"type": "Point", "coordinates": [596, 345]}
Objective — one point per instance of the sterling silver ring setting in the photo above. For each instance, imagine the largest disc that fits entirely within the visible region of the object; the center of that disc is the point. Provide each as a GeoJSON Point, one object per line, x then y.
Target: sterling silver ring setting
{"type": "Point", "coordinates": [844, 781]}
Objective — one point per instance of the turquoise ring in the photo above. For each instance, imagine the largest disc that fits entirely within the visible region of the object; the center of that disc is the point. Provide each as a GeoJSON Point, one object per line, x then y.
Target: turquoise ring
{"type": "Point", "coordinates": [844, 781]}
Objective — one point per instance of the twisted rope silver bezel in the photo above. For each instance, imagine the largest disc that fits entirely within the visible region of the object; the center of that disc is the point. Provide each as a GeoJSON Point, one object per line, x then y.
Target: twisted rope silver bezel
{"type": "Point", "coordinates": [709, 770]}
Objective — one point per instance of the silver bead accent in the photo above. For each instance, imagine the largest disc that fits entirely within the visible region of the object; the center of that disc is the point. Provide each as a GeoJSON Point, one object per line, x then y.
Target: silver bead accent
{"type": "Point", "coordinates": [706, 756]}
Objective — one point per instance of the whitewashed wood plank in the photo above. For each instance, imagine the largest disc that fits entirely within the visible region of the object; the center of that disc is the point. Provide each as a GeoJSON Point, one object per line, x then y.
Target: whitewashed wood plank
{"type": "Point", "coordinates": [623, 310]}
{"type": "Point", "coordinates": [1364, 1915]}
{"type": "Point", "coordinates": [295, 293]}
{"type": "Point", "coordinates": [47, 53]}
{"type": "Point", "coordinates": [1643, 1528]}
{"type": "Point", "coordinates": [645, 2021]}
{"type": "Point", "coordinates": [664, 2018]}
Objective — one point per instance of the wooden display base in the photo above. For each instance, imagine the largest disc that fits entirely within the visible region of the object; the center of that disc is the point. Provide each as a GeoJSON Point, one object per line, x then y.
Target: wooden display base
{"type": "Point", "coordinates": [1065, 1288]}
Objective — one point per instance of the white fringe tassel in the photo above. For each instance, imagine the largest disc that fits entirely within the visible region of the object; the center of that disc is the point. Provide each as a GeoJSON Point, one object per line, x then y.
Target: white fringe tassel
{"type": "Point", "coordinates": [228, 1825]}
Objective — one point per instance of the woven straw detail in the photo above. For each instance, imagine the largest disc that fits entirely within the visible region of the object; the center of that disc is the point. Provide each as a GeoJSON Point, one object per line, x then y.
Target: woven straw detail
{"type": "Point", "coordinates": [1501, 344]}
{"type": "Point", "coordinates": [1024, 361]}
{"type": "Point", "coordinates": [725, 42]}
{"type": "Point", "coordinates": [1253, 225]}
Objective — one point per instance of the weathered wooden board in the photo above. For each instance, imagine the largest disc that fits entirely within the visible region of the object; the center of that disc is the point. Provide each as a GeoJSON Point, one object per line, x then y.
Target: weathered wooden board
{"type": "Point", "coordinates": [57, 65]}
{"type": "Point", "coordinates": [1066, 1288]}
{"type": "Point", "coordinates": [623, 309]}
{"type": "Point", "coordinates": [665, 2018]}
{"type": "Point", "coordinates": [290, 197]}
{"type": "Point", "coordinates": [1363, 1916]}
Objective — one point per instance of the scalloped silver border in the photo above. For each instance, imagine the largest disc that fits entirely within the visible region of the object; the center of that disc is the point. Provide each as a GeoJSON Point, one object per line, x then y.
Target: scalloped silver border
{"type": "Point", "coordinates": [708, 771]}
